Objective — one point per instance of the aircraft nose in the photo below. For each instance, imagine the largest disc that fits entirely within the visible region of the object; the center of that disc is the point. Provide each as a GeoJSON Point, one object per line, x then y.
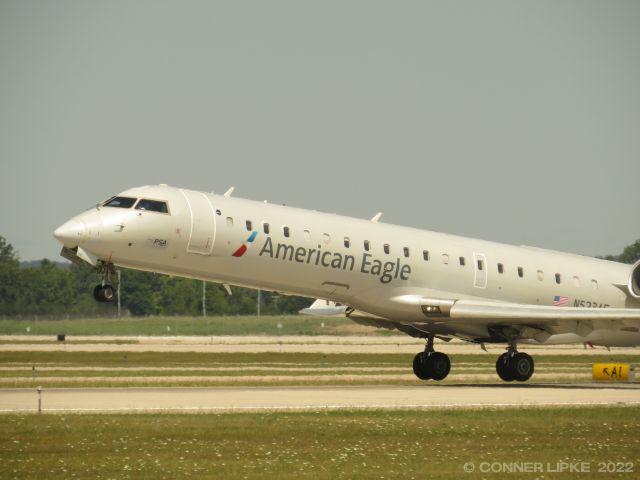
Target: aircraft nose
{"type": "Point", "coordinates": [70, 234]}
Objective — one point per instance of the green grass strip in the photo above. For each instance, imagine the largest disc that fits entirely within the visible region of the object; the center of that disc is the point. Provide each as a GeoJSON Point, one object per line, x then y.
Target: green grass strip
{"type": "Point", "coordinates": [160, 326]}
{"type": "Point", "coordinates": [325, 445]}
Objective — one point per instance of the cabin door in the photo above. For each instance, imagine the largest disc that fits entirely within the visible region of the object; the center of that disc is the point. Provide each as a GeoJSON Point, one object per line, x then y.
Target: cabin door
{"type": "Point", "coordinates": [203, 222]}
{"type": "Point", "coordinates": [480, 270]}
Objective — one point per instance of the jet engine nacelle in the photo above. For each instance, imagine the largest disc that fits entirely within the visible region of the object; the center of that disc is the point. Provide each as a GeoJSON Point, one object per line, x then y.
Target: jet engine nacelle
{"type": "Point", "coordinates": [634, 280]}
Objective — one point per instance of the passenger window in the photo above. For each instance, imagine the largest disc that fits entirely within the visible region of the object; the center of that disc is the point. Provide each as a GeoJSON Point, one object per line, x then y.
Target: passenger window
{"type": "Point", "coordinates": [500, 268]}
{"type": "Point", "coordinates": [425, 255]}
{"type": "Point", "coordinates": [480, 265]}
{"type": "Point", "coordinates": [265, 228]}
{"type": "Point", "coordinates": [406, 251]}
{"type": "Point", "coordinates": [152, 206]}
{"type": "Point", "coordinates": [594, 284]}
{"type": "Point", "coordinates": [307, 235]}
{"type": "Point", "coordinates": [347, 242]}
{"type": "Point", "coordinates": [558, 278]}
{"type": "Point", "coordinates": [576, 281]}
{"type": "Point", "coordinates": [540, 275]}
{"type": "Point", "coordinates": [386, 248]}
{"type": "Point", "coordinates": [229, 222]}
{"type": "Point", "coordinates": [461, 261]}
{"type": "Point", "coordinates": [367, 245]}
{"type": "Point", "coordinates": [120, 202]}
{"type": "Point", "coordinates": [249, 225]}
{"type": "Point", "coordinates": [326, 238]}
{"type": "Point", "coordinates": [285, 230]}
{"type": "Point", "coordinates": [445, 259]}
{"type": "Point", "coordinates": [520, 272]}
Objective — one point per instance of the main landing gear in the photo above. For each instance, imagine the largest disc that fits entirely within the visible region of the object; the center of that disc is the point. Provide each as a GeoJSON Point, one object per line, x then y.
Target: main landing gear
{"type": "Point", "coordinates": [511, 365]}
{"type": "Point", "coordinates": [514, 365]}
{"type": "Point", "coordinates": [431, 365]}
{"type": "Point", "coordinates": [105, 292]}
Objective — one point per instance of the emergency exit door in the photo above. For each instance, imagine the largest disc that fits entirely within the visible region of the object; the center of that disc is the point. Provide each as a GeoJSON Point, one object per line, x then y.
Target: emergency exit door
{"type": "Point", "coordinates": [480, 270]}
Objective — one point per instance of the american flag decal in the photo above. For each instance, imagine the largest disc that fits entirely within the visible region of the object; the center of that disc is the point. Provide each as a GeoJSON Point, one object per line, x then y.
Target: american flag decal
{"type": "Point", "coordinates": [560, 301]}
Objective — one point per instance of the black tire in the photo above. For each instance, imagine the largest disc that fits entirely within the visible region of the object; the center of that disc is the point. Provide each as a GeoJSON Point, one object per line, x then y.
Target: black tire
{"type": "Point", "coordinates": [104, 293]}
{"type": "Point", "coordinates": [108, 294]}
{"type": "Point", "coordinates": [439, 365]}
{"type": "Point", "coordinates": [521, 366]}
{"type": "Point", "coordinates": [503, 368]}
{"type": "Point", "coordinates": [419, 367]}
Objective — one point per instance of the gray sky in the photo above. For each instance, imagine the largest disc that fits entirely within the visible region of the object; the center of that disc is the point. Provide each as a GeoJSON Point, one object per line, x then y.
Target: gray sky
{"type": "Point", "coordinates": [508, 121]}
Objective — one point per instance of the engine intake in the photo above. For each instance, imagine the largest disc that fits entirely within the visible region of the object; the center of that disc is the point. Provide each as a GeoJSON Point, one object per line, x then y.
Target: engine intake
{"type": "Point", "coordinates": [634, 280]}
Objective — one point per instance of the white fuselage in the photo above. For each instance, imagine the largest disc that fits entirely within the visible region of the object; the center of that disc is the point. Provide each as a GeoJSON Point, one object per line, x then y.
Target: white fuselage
{"type": "Point", "coordinates": [360, 263]}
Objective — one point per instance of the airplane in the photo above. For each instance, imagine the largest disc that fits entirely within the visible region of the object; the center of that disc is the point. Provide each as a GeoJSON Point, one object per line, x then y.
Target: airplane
{"type": "Point", "coordinates": [425, 284]}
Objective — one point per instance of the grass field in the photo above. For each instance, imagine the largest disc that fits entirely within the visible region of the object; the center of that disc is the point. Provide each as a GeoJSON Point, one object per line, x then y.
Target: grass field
{"type": "Point", "coordinates": [158, 326]}
{"type": "Point", "coordinates": [122, 369]}
{"type": "Point", "coordinates": [364, 444]}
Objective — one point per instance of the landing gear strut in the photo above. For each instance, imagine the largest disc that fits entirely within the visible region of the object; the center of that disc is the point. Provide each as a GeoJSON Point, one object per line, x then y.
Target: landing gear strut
{"type": "Point", "coordinates": [514, 365]}
{"type": "Point", "coordinates": [104, 291]}
{"type": "Point", "coordinates": [431, 364]}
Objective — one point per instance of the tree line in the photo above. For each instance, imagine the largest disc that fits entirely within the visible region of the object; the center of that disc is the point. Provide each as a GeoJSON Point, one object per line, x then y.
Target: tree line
{"type": "Point", "coordinates": [54, 289]}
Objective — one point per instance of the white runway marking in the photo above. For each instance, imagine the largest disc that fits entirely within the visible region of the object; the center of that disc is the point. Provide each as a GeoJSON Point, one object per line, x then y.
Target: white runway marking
{"type": "Point", "coordinates": [313, 398]}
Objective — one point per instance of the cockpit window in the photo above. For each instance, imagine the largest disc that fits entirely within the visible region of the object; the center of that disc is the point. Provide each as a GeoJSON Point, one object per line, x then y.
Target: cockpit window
{"type": "Point", "coordinates": [120, 202]}
{"type": "Point", "coordinates": [152, 206]}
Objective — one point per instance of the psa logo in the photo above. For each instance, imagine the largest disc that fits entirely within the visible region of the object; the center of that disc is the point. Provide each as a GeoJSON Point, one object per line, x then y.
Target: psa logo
{"type": "Point", "coordinates": [243, 248]}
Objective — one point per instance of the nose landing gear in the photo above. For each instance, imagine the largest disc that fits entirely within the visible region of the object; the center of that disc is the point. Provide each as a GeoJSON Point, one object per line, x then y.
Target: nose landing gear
{"type": "Point", "coordinates": [105, 292]}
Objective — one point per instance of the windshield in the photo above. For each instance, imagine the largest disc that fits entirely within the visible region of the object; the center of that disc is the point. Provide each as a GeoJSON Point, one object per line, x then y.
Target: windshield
{"type": "Point", "coordinates": [152, 206]}
{"type": "Point", "coordinates": [120, 202]}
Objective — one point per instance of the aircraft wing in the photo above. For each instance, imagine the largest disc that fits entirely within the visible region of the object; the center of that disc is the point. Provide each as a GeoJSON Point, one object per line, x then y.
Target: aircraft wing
{"type": "Point", "coordinates": [468, 318]}
{"type": "Point", "coordinates": [478, 311]}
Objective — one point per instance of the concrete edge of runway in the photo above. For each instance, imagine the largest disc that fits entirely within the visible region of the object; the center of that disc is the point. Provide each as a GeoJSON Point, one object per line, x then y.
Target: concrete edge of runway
{"type": "Point", "coordinates": [311, 409]}
{"type": "Point", "coordinates": [310, 399]}
{"type": "Point", "coordinates": [315, 409]}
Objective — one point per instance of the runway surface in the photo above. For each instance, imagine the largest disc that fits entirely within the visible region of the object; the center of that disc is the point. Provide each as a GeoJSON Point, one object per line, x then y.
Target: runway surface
{"type": "Point", "coordinates": [326, 344]}
{"type": "Point", "coordinates": [224, 399]}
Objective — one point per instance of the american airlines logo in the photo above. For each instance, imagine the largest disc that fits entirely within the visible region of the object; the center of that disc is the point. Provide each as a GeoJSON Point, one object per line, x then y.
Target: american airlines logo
{"type": "Point", "coordinates": [243, 248]}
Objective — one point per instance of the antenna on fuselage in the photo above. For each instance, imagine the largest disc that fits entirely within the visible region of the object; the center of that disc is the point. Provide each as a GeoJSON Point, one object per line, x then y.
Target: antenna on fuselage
{"type": "Point", "coordinates": [229, 192]}
{"type": "Point", "coordinates": [376, 217]}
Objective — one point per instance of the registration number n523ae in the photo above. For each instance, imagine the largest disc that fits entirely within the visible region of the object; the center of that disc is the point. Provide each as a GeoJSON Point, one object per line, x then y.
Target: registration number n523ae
{"type": "Point", "coordinates": [589, 304]}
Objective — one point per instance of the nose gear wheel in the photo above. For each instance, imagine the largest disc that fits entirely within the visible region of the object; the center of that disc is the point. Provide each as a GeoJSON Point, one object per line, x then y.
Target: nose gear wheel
{"type": "Point", "coordinates": [105, 292]}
